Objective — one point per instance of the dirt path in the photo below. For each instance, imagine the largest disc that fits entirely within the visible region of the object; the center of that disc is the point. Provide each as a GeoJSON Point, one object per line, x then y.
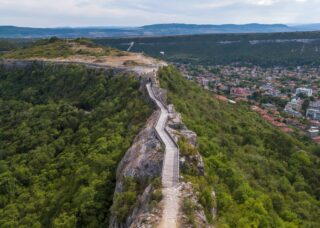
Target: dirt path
{"type": "Point", "coordinates": [170, 172]}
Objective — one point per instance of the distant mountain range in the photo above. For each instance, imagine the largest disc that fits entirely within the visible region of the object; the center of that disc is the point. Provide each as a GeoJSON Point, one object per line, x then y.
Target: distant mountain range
{"type": "Point", "coordinates": [150, 30]}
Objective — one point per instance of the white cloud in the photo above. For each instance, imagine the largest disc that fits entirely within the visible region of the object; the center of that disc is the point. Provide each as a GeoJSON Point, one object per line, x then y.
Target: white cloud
{"type": "Point", "coordinates": [138, 12]}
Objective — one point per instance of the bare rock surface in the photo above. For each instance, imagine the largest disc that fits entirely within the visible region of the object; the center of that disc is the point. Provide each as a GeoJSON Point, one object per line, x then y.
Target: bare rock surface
{"type": "Point", "coordinates": [178, 130]}
{"type": "Point", "coordinates": [146, 215]}
{"type": "Point", "coordinates": [143, 162]}
{"type": "Point", "coordinates": [200, 220]}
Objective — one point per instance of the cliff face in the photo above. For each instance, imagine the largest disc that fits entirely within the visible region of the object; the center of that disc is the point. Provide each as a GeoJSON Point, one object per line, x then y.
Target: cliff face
{"type": "Point", "coordinates": [180, 132]}
{"type": "Point", "coordinates": [143, 164]}
{"type": "Point", "coordinates": [143, 160]}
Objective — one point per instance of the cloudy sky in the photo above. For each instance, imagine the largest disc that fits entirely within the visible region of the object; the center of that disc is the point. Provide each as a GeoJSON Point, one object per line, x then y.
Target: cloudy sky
{"type": "Point", "coordinates": [57, 13]}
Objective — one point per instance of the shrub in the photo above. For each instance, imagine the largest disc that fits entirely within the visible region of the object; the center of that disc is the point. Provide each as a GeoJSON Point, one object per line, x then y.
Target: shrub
{"type": "Point", "coordinates": [125, 201]}
{"type": "Point", "coordinates": [189, 209]}
{"type": "Point", "coordinates": [185, 148]}
{"type": "Point", "coordinates": [157, 195]}
{"type": "Point", "coordinates": [157, 183]}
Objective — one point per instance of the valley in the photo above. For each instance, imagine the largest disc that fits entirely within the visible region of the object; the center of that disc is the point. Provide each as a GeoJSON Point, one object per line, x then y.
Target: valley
{"type": "Point", "coordinates": [159, 114]}
{"type": "Point", "coordinates": [92, 136]}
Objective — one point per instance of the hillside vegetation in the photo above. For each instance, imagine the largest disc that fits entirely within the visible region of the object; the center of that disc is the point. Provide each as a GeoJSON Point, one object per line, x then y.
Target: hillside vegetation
{"type": "Point", "coordinates": [6, 45]}
{"type": "Point", "coordinates": [56, 48]}
{"type": "Point", "coordinates": [63, 131]}
{"type": "Point", "coordinates": [262, 177]}
{"type": "Point", "coordinates": [269, 49]}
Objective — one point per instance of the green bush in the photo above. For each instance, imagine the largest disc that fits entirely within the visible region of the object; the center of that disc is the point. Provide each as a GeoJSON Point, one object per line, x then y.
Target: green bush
{"type": "Point", "coordinates": [189, 209]}
{"type": "Point", "coordinates": [157, 195]}
{"type": "Point", "coordinates": [125, 201]}
{"type": "Point", "coordinates": [123, 204]}
{"type": "Point", "coordinates": [185, 148]}
{"type": "Point", "coordinates": [157, 183]}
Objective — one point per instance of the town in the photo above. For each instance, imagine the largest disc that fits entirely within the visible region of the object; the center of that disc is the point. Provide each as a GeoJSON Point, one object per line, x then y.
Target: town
{"type": "Point", "coordinates": [288, 98]}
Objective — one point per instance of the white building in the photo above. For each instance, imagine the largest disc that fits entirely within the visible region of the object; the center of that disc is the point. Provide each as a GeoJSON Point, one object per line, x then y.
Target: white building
{"type": "Point", "coordinates": [313, 114]}
{"type": "Point", "coordinates": [305, 91]}
{"type": "Point", "coordinates": [294, 104]}
{"type": "Point", "coordinates": [313, 132]}
{"type": "Point", "coordinates": [315, 105]}
{"type": "Point", "coordinates": [293, 113]}
{"type": "Point", "coordinates": [293, 108]}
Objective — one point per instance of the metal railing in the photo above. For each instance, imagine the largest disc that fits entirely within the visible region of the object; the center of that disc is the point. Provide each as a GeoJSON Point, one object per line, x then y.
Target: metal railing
{"type": "Point", "coordinates": [166, 131]}
{"type": "Point", "coordinates": [156, 123]}
{"type": "Point", "coordinates": [177, 145]}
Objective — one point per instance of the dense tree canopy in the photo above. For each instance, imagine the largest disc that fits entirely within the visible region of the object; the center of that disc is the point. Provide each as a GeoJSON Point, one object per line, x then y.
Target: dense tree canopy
{"type": "Point", "coordinates": [262, 177]}
{"type": "Point", "coordinates": [63, 129]}
{"type": "Point", "coordinates": [267, 49]}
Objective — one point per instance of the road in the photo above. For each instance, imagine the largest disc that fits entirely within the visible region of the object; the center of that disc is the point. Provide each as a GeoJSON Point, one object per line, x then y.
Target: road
{"type": "Point", "coordinates": [170, 171]}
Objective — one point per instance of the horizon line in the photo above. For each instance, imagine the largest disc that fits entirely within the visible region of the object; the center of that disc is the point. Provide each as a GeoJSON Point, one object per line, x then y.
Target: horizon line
{"type": "Point", "coordinates": [138, 26]}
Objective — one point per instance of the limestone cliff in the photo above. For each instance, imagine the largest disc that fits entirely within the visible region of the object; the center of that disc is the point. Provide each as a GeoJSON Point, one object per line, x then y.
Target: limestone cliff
{"type": "Point", "coordinates": [143, 163]}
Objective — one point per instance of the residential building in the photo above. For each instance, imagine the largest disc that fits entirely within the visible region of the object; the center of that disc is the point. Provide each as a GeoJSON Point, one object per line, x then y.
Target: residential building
{"type": "Point", "coordinates": [305, 91]}
{"type": "Point", "coordinates": [313, 132]}
{"type": "Point", "coordinates": [240, 92]}
{"type": "Point", "coordinates": [313, 114]}
{"type": "Point", "coordinates": [293, 113]}
{"type": "Point", "coordinates": [295, 104]}
{"type": "Point", "coordinates": [315, 105]}
{"type": "Point", "coordinates": [293, 108]}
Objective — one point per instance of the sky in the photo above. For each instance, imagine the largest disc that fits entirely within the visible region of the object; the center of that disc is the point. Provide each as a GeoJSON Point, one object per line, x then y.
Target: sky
{"type": "Point", "coordinates": [80, 13]}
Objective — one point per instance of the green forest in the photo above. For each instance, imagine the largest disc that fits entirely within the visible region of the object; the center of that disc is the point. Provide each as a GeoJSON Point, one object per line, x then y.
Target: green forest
{"type": "Point", "coordinates": [63, 130]}
{"type": "Point", "coordinates": [262, 177]}
{"type": "Point", "coordinates": [264, 49]}
{"type": "Point", "coordinates": [7, 45]}
{"type": "Point", "coordinates": [274, 49]}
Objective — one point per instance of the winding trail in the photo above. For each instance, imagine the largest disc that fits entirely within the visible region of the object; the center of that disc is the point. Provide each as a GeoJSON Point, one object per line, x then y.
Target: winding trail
{"type": "Point", "coordinates": [170, 171]}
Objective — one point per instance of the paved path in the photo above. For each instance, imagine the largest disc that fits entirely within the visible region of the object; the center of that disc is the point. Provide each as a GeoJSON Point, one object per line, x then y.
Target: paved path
{"type": "Point", "coordinates": [170, 171]}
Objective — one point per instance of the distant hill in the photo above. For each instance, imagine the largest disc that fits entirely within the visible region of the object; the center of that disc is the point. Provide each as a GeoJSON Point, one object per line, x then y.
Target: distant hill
{"type": "Point", "coordinates": [264, 49]}
{"type": "Point", "coordinates": [203, 29]}
{"type": "Point", "coordinates": [24, 32]}
{"type": "Point", "coordinates": [149, 30]}
{"type": "Point", "coordinates": [308, 27]}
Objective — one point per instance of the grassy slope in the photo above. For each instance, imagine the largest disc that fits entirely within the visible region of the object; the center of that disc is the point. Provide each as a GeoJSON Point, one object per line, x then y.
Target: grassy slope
{"type": "Point", "coordinates": [262, 177]}
{"type": "Point", "coordinates": [58, 48]}
{"type": "Point", "coordinates": [62, 132]}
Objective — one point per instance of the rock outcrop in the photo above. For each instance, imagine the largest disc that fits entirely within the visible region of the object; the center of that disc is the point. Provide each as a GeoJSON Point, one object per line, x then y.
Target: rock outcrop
{"type": "Point", "coordinates": [143, 160]}
{"type": "Point", "coordinates": [143, 163]}
{"type": "Point", "coordinates": [190, 200]}
{"type": "Point", "coordinates": [178, 131]}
